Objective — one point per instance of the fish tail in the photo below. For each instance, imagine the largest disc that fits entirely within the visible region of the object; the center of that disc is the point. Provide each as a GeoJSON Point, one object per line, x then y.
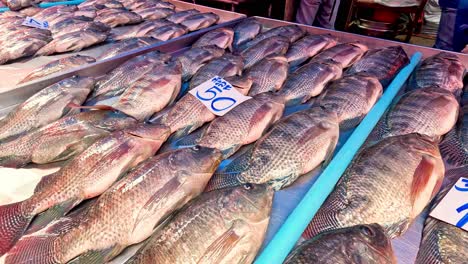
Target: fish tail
{"type": "Point", "coordinates": [34, 249]}
{"type": "Point", "coordinates": [222, 180]}
{"type": "Point", "coordinates": [13, 222]}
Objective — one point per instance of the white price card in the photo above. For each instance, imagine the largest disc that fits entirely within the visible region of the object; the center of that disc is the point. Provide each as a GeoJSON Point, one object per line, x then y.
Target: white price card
{"type": "Point", "coordinates": [218, 95]}
{"type": "Point", "coordinates": [37, 23]}
{"type": "Point", "coordinates": [453, 208]}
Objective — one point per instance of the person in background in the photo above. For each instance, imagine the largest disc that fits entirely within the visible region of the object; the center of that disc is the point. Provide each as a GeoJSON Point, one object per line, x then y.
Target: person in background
{"type": "Point", "coordinates": [453, 26]}
{"type": "Point", "coordinates": [320, 13]}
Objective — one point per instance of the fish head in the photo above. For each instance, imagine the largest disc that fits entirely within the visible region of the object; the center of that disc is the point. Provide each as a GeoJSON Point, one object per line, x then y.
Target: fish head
{"type": "Point", "coordinates": [80, 87]}
{"type": "Point", "coordinates": [114, 120]}
{"type": "Point", "coordinates": [369, 242]}
{"type": "Point", "coordinates": [421, 143]}
{"type": "Point", "coordinates": [150, 131]}
{"type": "Point", "coordinates": [214, 50]}
{"type": "Point", "coordinates": [359, 45]}
{"type": "Point", "coordinates": [196, 159]}
{"type": "Point", "coordinates": [247, 200]}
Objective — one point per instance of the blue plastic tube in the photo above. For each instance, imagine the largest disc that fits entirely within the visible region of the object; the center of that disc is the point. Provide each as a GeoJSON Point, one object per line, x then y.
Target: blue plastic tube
{"type": "Point", "coordinates": [290, 232]}
{"type": "Point", "coordinates": [45, 5]}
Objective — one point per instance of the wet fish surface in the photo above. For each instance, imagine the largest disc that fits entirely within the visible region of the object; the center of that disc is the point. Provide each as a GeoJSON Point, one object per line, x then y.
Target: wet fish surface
{"type": "Point", "coordinates": [135, 205]}
{"type": "Point", "coordinates": [22, 43]}
{"type": "Point", "coordinates": [428, 111]}
{"type": "Point", "coordinates": [224, 66]}
{"type": "Point", "coordinates": [74, 41]}
{"type": "Point", "coordinates": [345, 54]}
{"type": "Point", "coordinates": [307, 47]}
{"type": "Point", "coordinates": [158, 88]}
{"type": "Point", "coordinates": [154, 12]}
{"type": "Point", "coordinates": [269, 74]}
{"type": "Point", "coordinates": [351, 97]}
{"type": "Point", "coordinates": [389, 183]}
{"type": "Point", "coordinates": [223, 226]}
{"type": "Point", "coordinates": [221, 37]}
{"type": "Point", "coordinates": [353, 245]}
{"type": "Point", "coordinates": [291, 32]}
{"type": "Point", "coordinates": [47, 105]}
{"type": "Point", "coordinates": [442, 70]}
{"type": "Point", "coordinates": [178, 17]}
{"type": "Point", "coordinates": [309, 81]}
{"type": "Point", "coordinates": [443, 242]}
{"type": "Point", "coordinates": [57, 66]}
{"type": "Point", "coordinates": [127, 45]}
{"type": "Point", "coordinates": [63, 138]}
{"type": "Point", "coordinates": [139, 30]}
{"type": "Point", "coordinates": [245, 31]}
{"type": "Point", "coordinates": [272, 46]}
{"type": "Point", "coordinates": [294, 146]}
{"type": "Point", "coordinates": [193, 59]}
{"type": "Point", "coordinates": [167, 32]}
{"type": "Point", "coordinates": [199, 21]}
{"type": "Point", "coordinates": [114, 17]}
{"type": "Point", "coordinates": [382, 63]}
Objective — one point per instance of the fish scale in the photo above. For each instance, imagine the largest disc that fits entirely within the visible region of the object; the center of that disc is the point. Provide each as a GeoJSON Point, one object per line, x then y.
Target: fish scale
{"type": "Point", "coordinates": [224, 66]}
{"type": "Point", "coordinates": [245, 31]}
{"type": "Point", "coordinates": [268, 74]}
{"type": "Point", "coordinates": [221, 37]}
{"type": "Point", "coordinates": [276, 45]}
{"type": "Point", "coordinates": [308, 47]}
{"type": "Point", "coordinates": [388, 183]}
{"type": "Point", "coordinates": [345, 54]}
{"type": "Point", "coordinates": [291, 32]}
{"type": "Point", "coordinates": [193, 59]}
{"type": "Point", "coordinates": [223, 226]}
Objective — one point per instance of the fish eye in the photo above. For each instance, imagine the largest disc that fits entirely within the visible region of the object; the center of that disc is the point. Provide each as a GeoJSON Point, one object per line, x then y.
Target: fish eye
{"type": "Point", "coordinates": [248, 186]}
{"type": "Point", "coordinates": [367, 231]}
{"type": "Point", "coordinates": [196, 147]}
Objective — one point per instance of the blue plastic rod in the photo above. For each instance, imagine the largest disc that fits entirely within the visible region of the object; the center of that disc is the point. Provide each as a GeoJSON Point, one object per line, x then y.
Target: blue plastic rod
{"type": "Point", "coordinates": [49, 4]}
{"type": "Point", "coordinates": [290, 232]}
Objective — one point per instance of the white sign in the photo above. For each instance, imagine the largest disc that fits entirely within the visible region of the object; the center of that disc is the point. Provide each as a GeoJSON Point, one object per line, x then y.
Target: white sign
{"type": "Point", "coordinates": [37, 23]}
{"type": "Point", "coordinates": [453, 208]}
{"type": "Point", "coordinates": [218, 95]}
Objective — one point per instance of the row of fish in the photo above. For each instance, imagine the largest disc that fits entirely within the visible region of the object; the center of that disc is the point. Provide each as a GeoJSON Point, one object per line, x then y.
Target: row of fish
{"type": "Point", "coordinates": [73, 28]}
{"type": "Point", "coordinates": [399, 172]}
{"type": "Point", "coordinates": [228, 223]}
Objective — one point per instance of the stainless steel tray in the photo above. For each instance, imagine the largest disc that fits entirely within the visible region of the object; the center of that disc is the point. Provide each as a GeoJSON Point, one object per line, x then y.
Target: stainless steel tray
{"type": "Point", "coordinates": [10, 74]}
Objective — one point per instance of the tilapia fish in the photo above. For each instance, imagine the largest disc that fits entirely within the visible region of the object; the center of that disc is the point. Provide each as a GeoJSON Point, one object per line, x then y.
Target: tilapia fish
{"type": "Point", "coordinates": [57, 66]}
{"type": "Point", "coordinates": [443, 242]}
{"type": "Point", "coordinates": [20, 4]}
{"type": "Point", "coordinates": [291, 32]}
{"type": "Point", "coordinates": [309, 81]}
{"type": "Point", "coordinates": [87, 175]}
{"type": "Point", "coordinates": [242, 125]}
{"type": "Point", "coordinates": [193, 59]}
{"type": "Point", "coordinates": [100, 4]}
{"type": "Point", "coordinates": [199, 21]}
{"type": "Point", "coordinates": [167, 32]}
{"type": "Point", "coordinates": [62, 139]}
{"type": "Point", "coordinates": [388, 183]}
{"type": "Point", "coordinates": [442, 70]}
{"type": "Point", "coordinates": [224, 66]}
{"type": "Point", "coordinates": [132, 5]}
{"type": "Point", "coordinates": [454, 146]}
{"type": "Point", "coordinates": [74, 41]}
{"type": "Point", "coordinates": [140, 30]}
{"type": "Point", "coordinates": [81, 26]}
{"type": "Point", "coordinates": [118, 17]}
{"type": "Point", "coordinates": [245, 31]}
{"type": "Point", "coordinates": [22, 46]}
{"type": "Point", "coordinates": [428, 111]}
{"type": "Point", "coordinates": [268, 74]}
{"type": "Point", "coordinates": [154, 12]}
{"type": "Point", "coordinates": [272, 46]}
{"type": "Point", "coordinates": [351, 97]}
{"type": "Point", "coordinates": [294, 146]}
{"type": "Point", "coordinates": [307, 47]}
{"type": "Point", "coordinates": [353, 245]}
{"type": "Point", "coordinates": [127, 45]}
{"type": "Point", "coordinates": [135, 205]}
{"type": "Point", "coordinates": [45, 106]}
{"type": "Point", "coordinates": [221, 37]}
{"type": "Point", "coordinates": [345, 54]}
{"type": "Point", "coordinates": [382, 63]}
{"type": "Point", "coordinates": [187, 114]}
{"type": "Point", "coordinates": [223, 226]}
{"type": "Point", "coordinates": [122, 77]}
{"type": "Point", "coordinates": [53, 11]}
{"type": "Point", "coordinates": [158, 88]}
{"type": "Point", "coordinates": [178, 17]}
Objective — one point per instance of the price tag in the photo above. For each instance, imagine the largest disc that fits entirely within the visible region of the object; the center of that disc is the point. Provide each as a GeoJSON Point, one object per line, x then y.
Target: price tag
{"type": "Point", "coordinates": [218, 95]}
{"type": "Point", "coordinates": [453, 208]}
{"type": "Point", "coordinates": [36, 23]}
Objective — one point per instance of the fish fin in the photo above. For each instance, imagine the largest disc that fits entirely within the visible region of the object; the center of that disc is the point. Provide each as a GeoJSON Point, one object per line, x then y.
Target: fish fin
{"type": "Point", "coordinates": [222, 180]}
{"type": "Point", "coordinates": [330, 152]}
{"type": "Point", "coordinates": [44, 182]}
{"type": "Point", "coordinates": [92, 107]}
{"type": "Point", "coordinates": [97, 256]}
{"type": "Point", "coordinates": [452, 150]}
{"type": "Point", "coordinates": [154, 204]}
{"type": "Point", "coordinates": [33, 249]}
{"type": "Point", "coordinates": [349, 124]}
{"type": "Point", "coordinates": [189, 140]}
{"type": "Point", "coordinates": [240, 162]}
{"type": "Point", "coordinates": [224, 244]}
{"type": "Point", "coordinates": [51, 214]}
{"type": "Point", "coordinates": [13, 222]}
{"type": "Point", "coordinates": [421, 178]}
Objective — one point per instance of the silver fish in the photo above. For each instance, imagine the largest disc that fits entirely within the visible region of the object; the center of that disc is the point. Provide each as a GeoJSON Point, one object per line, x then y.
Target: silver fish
{"type": "Point", "coordinates": [291, 32]}
{"type": "Point", "coordinates": [221, 37]}
{"type": "Point", "coordinates": [245, 31]}
{"type": "Point", "coordinates": [118, 17]}
{"type": "Point", "coordinates": [167, 32]}
{"type": "Point", "coordinates": [268, 74]}
{"type": "Point", "coordinates": [74, 41]}
{"type": "Point", "coordinates": [140, 30]}
{"type": "Point", "coordinates": [199, 21]}
{"type": "Point", "coordinates": [154, 12]}
{"type": "Point", "coordinates": [178, 17]}
{"type": "Point", "coordinates": [307, 47]}
{"type": "Point", "coordinates": [345, 54]}
{"type": "Point", "coordinates": [272, 46]}
{"type": "Point", "coordinates": [127, 45]}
